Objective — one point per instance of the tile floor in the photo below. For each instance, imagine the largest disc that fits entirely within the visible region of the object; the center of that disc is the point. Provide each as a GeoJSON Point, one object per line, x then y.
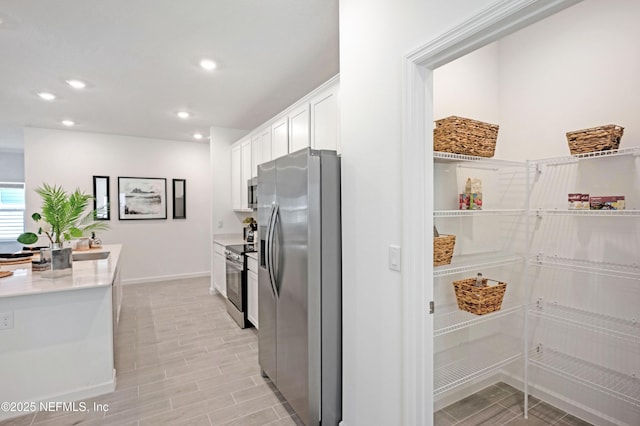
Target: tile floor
{"type": "Point", "coordinates": [501, 404]}
{"type": "Point", "coordinates": [181, 360]}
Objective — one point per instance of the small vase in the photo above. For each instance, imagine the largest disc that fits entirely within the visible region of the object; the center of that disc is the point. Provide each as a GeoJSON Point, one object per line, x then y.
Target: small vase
{"type": "Point", "coordinates": [58, 259]}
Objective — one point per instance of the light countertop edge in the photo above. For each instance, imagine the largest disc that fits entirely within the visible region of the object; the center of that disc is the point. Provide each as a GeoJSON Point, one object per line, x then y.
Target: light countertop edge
{"type": "Point", "coordinates": [228, 239]}
{"type": "Point", "coordinates": [86, 274]}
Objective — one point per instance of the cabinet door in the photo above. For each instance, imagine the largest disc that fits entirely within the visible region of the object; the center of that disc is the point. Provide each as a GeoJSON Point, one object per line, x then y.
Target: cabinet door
{"type": "Point", "coordinates": [236, 176]}
{"type": "Point", "coordinates": [324, 120]}
{"type": "Point", "coordinates": [252, 298]}
{"type": "Point", "coordinates": [245, 173]}
{"type": "Point", "coordinates": [299, 128]}
{"type": "Point", "coordinates": [265, 137]}
{"type": "Point", "coordinates": [256, 154]}
{"type": "Point", "coordinates": [219, 273]}
{"type": "Point", "coordinates": [279, 139]}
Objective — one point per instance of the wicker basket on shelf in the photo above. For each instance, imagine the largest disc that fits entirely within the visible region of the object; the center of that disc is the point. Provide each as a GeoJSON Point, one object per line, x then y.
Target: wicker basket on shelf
{"type": "Point", "coordinates": [443, 249]}
{"type": "Point", "coordinates": [479, 300]}
{"type": "Point", "coordinates": [602, 138]}
{"type": "Point", "coordinates": [465, 136]}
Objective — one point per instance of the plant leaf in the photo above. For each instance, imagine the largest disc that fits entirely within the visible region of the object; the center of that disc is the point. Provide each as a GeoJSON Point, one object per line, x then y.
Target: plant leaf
{"type": "Point", "coordinates": [28, 238]}
{"type": "Point", "coordinates": [75, 232]}
{"type": "Point", "coordinates": [36, 216]}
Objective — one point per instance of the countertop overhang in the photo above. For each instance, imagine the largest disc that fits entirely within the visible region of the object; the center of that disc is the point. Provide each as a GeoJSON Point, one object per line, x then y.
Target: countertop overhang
{"type": "Point", "coordinates": [86, 274]}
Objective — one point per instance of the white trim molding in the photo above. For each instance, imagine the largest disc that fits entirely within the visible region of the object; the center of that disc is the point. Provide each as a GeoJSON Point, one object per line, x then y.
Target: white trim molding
{"type": "Point", "coordinates": [498, 20]}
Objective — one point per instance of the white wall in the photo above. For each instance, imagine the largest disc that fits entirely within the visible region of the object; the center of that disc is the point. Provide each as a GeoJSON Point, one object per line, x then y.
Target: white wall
{"type": "Point", "coordinates": [574, 70]}
{"type": "Point", "coordinates": [374, 36]}
{"type": "Point", "coordinates": [153, 249]}
{"type": "Point", "coordinates": [11, 166]}
{"type": "Point", "coordinates": [469, 87]}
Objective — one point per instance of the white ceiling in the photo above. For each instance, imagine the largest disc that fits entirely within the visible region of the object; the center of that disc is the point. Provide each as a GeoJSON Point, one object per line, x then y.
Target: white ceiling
{"type": "Point", "coordinates": [140, 58]}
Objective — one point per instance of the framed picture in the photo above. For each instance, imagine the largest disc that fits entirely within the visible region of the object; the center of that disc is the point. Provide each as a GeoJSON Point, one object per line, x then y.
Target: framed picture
{"type": "Point", "coordinates": [142, 198]}
{"type": "Point", "coordinates": [179, 199]}
{"type": "Point", "coordinates": [101, 206]}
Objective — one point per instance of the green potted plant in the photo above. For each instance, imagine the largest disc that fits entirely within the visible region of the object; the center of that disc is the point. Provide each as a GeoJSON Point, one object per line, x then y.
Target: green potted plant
{"type": "Point", "coordinates": [64, 216]}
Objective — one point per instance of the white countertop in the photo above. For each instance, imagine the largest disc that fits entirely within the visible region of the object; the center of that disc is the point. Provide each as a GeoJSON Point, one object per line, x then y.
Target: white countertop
{"type": "Point", "coordinates": [228, 239]}
{"type": "Point", "coordinates": [86, 274]}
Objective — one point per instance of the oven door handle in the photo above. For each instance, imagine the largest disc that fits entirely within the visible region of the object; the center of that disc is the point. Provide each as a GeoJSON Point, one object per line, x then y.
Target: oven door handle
{"type": "Point", "coordinates": [270, 248]}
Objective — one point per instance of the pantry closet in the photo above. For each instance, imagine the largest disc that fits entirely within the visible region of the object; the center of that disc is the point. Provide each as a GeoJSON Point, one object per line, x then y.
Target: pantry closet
{"type": "Point", "coordinates": [568, 329]}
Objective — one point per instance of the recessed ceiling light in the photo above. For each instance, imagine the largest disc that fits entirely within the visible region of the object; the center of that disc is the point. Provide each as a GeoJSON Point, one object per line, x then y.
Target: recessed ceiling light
{"type": "Point", "coordinates": [183, 114]}
{"type": "Point", "coordinates": [208, 64]}
{"type": "Point", "coordinates": [68, 123]}
{"type": "Point", "coordinates": [197, 136]}
{"type": "Point", "coordinates": [77, 84]}
{"type": "Point", "coordinates": [47, 96]}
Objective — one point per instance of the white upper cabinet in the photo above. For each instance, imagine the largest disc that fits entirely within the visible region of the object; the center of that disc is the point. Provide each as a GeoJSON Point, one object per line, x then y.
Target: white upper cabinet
{"type": "Point", "coordinates": [266, 144]}
{"type": "Point", "coordinates": [246, 172]}
{"type": "Point", "coordinates": [240, 174]}
{"type": "Point", "coordinates": [236, 176]}
{"type": "Point", "coordinates": [299, 128]}
{"type": "Point", "coordinates": [260, 149]}
{"type": "Point", "coordinates": [256, 154]}
{"type": "Point", "coordinates": [310, 122]}
{"type": "Point", "coordinates": [280, 138]}
{"type": "Point", "coordinates": [324, 120]}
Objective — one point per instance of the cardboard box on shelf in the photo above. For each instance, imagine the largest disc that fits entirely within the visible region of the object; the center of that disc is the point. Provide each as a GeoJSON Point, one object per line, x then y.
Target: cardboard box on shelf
{"type": "Point", "coordinates": [608, 202]}
{"type": "Point", "coordinates": [578, 201]}
{"type": "Point", "coordinates": [470, 201]}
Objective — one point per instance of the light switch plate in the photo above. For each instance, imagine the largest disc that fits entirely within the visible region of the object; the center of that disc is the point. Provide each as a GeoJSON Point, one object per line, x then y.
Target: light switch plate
{"type": "Point", "coordinates": [394, 258]}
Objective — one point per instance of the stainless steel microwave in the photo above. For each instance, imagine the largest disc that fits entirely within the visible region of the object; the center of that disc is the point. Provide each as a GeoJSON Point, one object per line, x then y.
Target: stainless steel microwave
{"type": "Point", "coordinates": [252, 193]}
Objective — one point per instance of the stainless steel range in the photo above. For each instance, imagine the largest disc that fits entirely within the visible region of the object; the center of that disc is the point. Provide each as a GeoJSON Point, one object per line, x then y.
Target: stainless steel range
{"type": "Point", "coordinates": [236, 271]}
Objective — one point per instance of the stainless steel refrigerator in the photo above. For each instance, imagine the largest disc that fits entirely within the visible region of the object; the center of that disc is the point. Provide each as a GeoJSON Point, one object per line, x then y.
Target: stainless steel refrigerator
{"type": "Point", "coordinates": [299, 282]}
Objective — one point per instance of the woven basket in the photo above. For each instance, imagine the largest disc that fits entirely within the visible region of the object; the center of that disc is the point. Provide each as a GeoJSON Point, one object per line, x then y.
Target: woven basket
{"type": "Point", "coordinates": [479, 300]}
{"type": "Point", "coordinates": [460, 135]}
{"type": "Point", "coordinates": [443, 249]}
{"type": "Point", "coordinates": [595, 139]}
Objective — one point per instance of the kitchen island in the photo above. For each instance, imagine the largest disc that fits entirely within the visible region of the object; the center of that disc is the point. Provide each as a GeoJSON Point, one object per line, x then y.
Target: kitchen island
{"type": "Point", "coordinates": [57, 340]}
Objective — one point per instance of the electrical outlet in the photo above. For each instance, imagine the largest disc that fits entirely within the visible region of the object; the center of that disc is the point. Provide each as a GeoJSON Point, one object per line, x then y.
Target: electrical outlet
{"type": "Point", "coordinates": [6, 320]}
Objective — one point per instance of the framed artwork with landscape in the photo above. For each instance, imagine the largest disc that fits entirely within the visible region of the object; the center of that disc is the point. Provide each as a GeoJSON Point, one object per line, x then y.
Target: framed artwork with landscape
{"type": "Point", "coordinates": [142, 198]}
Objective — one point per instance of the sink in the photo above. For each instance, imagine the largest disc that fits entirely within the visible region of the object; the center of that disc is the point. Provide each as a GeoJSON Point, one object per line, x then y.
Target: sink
{"type": "Point", "coordinates": [90, 256]}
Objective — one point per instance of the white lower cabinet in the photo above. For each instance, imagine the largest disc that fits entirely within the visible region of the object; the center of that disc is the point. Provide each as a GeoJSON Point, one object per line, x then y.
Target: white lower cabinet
{"type": "Point", "coordinates": [252, 291]}
{"type": "Point", "coordinates": [219, 269]}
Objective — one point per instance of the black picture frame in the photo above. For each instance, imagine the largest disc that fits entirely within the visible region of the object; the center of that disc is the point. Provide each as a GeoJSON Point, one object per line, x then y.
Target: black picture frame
{"type": "Point", "coordinates": [101, 194]}
{"type": "Point", "coordinates": [179, 198]}
{"type": "Point", "coordinates": [142, 198]}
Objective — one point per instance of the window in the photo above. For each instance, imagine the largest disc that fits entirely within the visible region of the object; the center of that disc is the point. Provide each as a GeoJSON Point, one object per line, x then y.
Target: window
{"type": "Point", "coordinates": [11, 210]}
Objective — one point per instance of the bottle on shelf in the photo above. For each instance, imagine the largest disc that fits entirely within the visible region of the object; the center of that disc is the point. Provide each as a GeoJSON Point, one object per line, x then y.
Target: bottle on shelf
{"type": "Point", "coordinates": [479, 280]}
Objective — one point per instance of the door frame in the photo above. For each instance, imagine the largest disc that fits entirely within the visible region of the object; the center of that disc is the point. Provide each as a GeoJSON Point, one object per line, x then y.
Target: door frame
{"type": "Point", "coordinates": [496, 21]}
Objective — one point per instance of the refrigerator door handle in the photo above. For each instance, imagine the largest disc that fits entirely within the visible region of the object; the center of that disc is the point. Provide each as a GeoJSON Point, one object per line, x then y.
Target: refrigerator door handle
{"type": "Point", "coordinates": [270, 248]}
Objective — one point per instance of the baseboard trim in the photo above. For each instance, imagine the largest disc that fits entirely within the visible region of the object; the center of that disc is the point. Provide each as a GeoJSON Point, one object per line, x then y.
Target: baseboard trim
{"type": "Point", "coordinates": [161, 278]}
{"type": "Point", "coordinates": [74, 395]}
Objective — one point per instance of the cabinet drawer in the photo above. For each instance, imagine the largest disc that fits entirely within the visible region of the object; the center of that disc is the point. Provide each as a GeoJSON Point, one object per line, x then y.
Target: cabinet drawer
{"type": "Point", "coordinates": [252, 265]}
